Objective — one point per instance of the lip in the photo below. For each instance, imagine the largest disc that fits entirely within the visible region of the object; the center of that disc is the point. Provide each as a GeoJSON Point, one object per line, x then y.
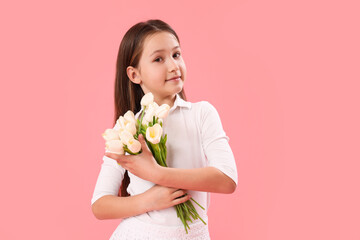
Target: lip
{"type": "Point", "coordinates": [174, 78]}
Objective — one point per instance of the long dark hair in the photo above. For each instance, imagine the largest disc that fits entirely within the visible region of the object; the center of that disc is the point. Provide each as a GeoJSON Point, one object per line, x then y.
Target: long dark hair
{"type": "Point", "coordinates": [128, 94]}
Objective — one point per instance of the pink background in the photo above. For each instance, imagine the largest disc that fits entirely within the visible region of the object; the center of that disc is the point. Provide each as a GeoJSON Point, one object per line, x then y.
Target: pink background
{"type": "Point", "coordinates": [283, 75]}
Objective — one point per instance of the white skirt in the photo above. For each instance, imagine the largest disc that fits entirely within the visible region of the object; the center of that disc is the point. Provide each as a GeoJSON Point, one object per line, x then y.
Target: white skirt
{"type": "Point", "coordinates": [134, 229]}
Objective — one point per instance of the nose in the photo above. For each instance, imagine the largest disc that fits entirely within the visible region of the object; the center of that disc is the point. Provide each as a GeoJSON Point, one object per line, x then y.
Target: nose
{"type": "Point", "coordinates": [173, 65]}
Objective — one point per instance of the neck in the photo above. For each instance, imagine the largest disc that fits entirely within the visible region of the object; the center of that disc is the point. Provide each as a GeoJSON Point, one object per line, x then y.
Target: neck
{"type": "Point", "coordinates": [169, 100]}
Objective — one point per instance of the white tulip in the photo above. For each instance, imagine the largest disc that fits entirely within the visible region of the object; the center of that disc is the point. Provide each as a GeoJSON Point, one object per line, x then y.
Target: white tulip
{"type": "Point", "coordinates": [120, 131]}
{"type": "Point", "coordinates": [162, 111]}
{"type": "Point", "coordinates": [155, 105]}
{"type": "Point", "coordinates": [149, 116]}
{"type": "Point", "coordinates": [134, 145]}
{"type": "Point", "coordinates": [114, 146]}
{"type": "Point", "coordinates": [144, 122]}
{"type": "Point", "coordinates": [153, 134]}
{"type": "Point", "coordinates": [122, 122]}
{"type": "Point", "coordinates": [125, 137]}
{"type": "Point", "coordinates": [111, 134]}
{"type": "Point", "coordinates": [129, 116]}
{"type": "Point", "coordinates": [131, 128]}
{"type": "Point", "coordinates": [147, 99]}
{"type": "Point", "coordinates": [128, 123]}
{"type": "Point", "coordinates": [150, 112]}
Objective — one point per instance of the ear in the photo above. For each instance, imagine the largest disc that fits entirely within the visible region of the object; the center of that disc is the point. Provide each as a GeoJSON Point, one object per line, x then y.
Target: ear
{"type": "Point", "coordinates": [133, 74]}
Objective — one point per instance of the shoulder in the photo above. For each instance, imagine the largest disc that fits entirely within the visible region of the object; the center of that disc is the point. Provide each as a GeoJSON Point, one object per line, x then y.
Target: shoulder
{"type": "Point", "coordinates": [204, 108]}
{"type": "Point", "coordinates": [202, 104]}
{"type": "Point", "coordinates": [206, 113]}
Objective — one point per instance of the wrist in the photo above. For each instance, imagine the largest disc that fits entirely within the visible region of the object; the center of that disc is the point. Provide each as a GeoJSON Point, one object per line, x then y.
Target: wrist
{"type": "Point", "coordinates": [144, 202]}
{"type": "Point", "coordinates": [159, 175]}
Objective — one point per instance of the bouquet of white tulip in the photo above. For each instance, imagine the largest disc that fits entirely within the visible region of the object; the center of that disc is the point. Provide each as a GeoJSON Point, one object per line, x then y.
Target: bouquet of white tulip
{"type": "Point", "coordinates": [150, 125]}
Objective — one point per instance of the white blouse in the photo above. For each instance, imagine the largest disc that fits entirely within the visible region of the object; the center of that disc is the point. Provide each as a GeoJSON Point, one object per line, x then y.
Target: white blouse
{"type": "Point", "coordinates": [195, 139]}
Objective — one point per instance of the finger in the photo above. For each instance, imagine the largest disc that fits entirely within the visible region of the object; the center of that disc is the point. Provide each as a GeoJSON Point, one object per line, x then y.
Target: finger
{"type": "Point", "coordinates": [144, 146]}
{"type": "Point", "coordinates": [141, 139]}
{"type": "Point", "coordinates": [176, 189]}
{"type": "Point", "coordinates": [179, 193]}
{"type": "Point", "coordinates": [120, 158]}
{"type": "Point", "coordinates": [125, 167]}
{"type": "Point", "coordinates": [181, 200]}
{"type": "Point", "coordinates": [112, 155]}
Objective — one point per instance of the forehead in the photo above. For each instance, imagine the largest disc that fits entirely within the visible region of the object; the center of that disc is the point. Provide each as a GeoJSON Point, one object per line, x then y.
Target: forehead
{"type": "Point", "coordinates": [157, 41]}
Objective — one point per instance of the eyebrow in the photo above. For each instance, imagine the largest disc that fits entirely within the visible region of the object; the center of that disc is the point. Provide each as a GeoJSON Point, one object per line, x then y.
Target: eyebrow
{"type": "Point", "coordinates": [161, 50]}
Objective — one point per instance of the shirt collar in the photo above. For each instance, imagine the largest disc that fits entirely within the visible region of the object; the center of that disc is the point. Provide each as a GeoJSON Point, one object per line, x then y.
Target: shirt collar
{"type": "Point", "coordinates": [179, 102]}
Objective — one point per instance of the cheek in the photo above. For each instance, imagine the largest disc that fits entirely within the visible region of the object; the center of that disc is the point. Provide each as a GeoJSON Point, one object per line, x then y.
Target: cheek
{"type": "Point", "coordinates": [153, 72]}
{"type": "Point", "coordinates": [182, 65]}
{"type": "Point", "coordinates": [183, 68]}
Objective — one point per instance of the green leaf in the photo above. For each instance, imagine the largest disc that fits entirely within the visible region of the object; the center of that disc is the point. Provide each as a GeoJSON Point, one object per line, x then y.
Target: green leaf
{"type": "Point", "coordinates": [161, 140]}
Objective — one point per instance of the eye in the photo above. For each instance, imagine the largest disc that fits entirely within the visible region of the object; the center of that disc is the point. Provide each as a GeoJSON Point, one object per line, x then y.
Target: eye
{"type": "Point", "coordinates": [157, 59]}
{"type": "Point", "coordinates": [178, 53]}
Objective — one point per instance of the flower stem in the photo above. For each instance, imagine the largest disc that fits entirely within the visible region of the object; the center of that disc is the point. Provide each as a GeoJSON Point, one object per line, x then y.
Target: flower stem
{"type": "Point", "coordinates": [140, 124]}
{"type": "Point", "coordinates": [198, 216]}
{"type": "Point", "coordinates": [198, 204]}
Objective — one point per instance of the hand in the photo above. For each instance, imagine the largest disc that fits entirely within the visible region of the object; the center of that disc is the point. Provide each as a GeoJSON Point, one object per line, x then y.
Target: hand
{"type": "Point", "coordinates": [160, 197]}
{"type": "Point", "coordinates": [143, 165]}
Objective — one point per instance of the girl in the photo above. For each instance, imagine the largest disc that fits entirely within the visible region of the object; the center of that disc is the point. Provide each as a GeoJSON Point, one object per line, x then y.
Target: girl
{"type": "Point", "coordinates": [199, 157]}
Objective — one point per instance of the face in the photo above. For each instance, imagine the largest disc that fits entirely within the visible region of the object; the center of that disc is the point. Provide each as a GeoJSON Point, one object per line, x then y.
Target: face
{"type": "Point", "coordinates": [160, 61]}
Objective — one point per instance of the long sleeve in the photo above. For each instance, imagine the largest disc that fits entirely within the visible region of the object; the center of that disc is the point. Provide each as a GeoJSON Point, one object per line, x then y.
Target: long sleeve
{"type": "Point", "coordinates": [109, 179]}
{"type": "Point", "coordinates": [215, 142]}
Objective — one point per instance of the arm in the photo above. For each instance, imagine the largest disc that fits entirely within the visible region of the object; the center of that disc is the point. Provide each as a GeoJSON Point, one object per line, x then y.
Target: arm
{"type": "Point", "coordinates": [156, 198]}
{"type": "Point", "coordinates": [106, 204]}
{"type": "Point", "coordinates": [111, 207]}
{"type": "Point", "coordinates": [220, 175]}
{"type": "Point", "coordinates": [207, 179]}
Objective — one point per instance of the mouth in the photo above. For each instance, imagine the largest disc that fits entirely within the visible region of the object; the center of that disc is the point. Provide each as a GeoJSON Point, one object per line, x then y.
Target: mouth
{"type": "Point", "coordinates": [174, 78]}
